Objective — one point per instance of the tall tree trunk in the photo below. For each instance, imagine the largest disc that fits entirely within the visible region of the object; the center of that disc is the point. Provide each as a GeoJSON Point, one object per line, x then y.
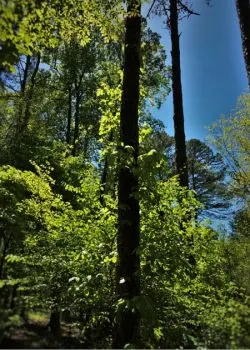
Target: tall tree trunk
{"type": "Point", "coordinates": [23, 84]}
{"type": "Point", "coordinates": [180, 141]}
{"type": "Point", "coordinates": [77, 123]}
{"type": "Point", "coordinates": [26, 116]}
{"type": "Point", "coordinates": [243, 10]}
{"type": "Point", "coordinates": [128, 238]}
{"type": "Point", "coordinates": [69, 119]}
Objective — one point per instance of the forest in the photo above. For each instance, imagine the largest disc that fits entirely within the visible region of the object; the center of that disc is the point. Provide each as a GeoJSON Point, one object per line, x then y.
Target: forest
{"type": "Point", "coordinates": [109, 234]}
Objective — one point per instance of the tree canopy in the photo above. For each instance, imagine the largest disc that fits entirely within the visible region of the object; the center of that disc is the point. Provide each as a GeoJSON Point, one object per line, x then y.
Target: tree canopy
{"type": "Point", "coordinates": [101, 239]}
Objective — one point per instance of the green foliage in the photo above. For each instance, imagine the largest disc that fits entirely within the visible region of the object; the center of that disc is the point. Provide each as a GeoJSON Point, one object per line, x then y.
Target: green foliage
{"type": "Point", "coordinates": [57, 253]}
{"type": "Point", "coordinates": [231, 137]}
{"type": "Point", "coordinates": [241, 223]}
{"type": "Point", "coordinates": [30, 25]}
{"type": "Point", "coordinates": [207, 177]}
{"type": "Point", "coordinates": [58, 217]}
{"type": "Point", "coordinates": [67, 256]}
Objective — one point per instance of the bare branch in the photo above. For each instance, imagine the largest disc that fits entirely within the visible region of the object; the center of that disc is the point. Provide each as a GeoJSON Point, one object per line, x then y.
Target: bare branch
{"type": "Point", "coordinates": [151, 7]}
{"type": "Point", "coordinates": [187, 9]}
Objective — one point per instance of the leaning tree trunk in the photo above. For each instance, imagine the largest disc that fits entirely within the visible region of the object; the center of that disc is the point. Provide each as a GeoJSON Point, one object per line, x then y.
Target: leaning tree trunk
{"type": "Point", "coordinates": [180, 142]}
{"type": "Point", "coordinates": [243, 9]}
{"type": "Point", "coordinates": [128, 267]}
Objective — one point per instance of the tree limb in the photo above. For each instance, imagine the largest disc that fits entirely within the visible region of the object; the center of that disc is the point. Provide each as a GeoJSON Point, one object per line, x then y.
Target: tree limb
{"type": "Point", "coordinates": [151, 7]}
{"type": "Point", "coordinates": [187, 9]}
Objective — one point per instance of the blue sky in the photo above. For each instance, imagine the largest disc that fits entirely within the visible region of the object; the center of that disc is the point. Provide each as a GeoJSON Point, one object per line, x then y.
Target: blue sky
{"type": "Point", "coordinates": [213, 70]}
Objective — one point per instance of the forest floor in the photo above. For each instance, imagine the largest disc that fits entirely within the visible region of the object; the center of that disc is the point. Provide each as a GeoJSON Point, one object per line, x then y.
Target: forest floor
{"type": "Point", "coordinates": [34, 334]}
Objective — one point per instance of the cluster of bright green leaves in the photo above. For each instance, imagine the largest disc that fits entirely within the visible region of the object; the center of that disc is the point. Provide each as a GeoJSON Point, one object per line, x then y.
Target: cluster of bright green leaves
{"type": "Point", "coordinates": [231, 136]}
{"type": "Point", "coordinates": [61, 255]}
{"type": "Point", "coordinates": [187, 299]}
{"type": "Point", "coordinates": [110, 97]}
{"type": "Point", "coordinates": [154, 157]}
{"type": "Point", "coordinates": [67, 256]}
{"type": "Point", "coordinates": [23, 195]}
{"type": "Point", "coordinates": [154, 86]}
{"type": "Point", "coordinates": [63, 249]}
{"type": "Point", "coordinates": [155, 74]}
{"type": "Point", "coordinates": [28, 26]}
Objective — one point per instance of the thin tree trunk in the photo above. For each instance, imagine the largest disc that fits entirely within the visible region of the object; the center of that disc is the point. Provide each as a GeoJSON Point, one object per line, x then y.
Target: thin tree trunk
{"type": "Point", "coordinates": [85, 146]}
{"type": "Point", "coordinates": [55, 321]}
{"type": "Point", "coordinates": [243, 10]}
{"type": "Point", "coordinates": [180, 141]}
{"type": "Point", "coordinates": [104, 175]}
{"type": "Point", "coordinates": [77, 123]}
{"type": "Point", "coordinates": [4, 249]}
{"type": "Point", "coordinates": [192, 173]}
{"type": "Point", "coordinates": [13, 294]}
{"type": "Point", "coordinates": [68, 131]}
{"type": "Point", "coordinates": [26, 116]}
{"type": "Point", "coordinates": [23, 84]}
{"type": "Point", "coordinates": [103, 181]}
{"type": "Point", "coordinates": [128, 238]}
{"type": "Point", "coordinates": [25, 74]}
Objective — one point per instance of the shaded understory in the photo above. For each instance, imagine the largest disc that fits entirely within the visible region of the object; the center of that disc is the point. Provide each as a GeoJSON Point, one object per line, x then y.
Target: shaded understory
{"type": "Point", "coordinates": [36, 335]}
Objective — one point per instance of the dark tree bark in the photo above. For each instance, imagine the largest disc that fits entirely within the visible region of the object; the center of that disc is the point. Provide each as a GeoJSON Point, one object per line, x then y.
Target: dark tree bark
{"type": "Point", "coordinates": [26, 116]}
{"type": "Point", "coordinates": [25, 74]}
{"type": "Point", "coordinates": [243, 10]}
{"type": "Point", "coordinates": [55, 321]}
{"type": "Point", "coordinates": [105, 175]}
{"type": "Point", "coordinates": [128, 238]}
{"type": "Point", "coordinates": [180, 141]}
{"type": "Point", "coordinates": [23, 84]}
{"type": "Point", "coordinates": [69, 120]}
{"type": "Point", "coordinates": [5, 245]}
{"type": "Point", "coordinates": [13, 294]}
{"type": "Point", "coordinates": [103, 181]}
